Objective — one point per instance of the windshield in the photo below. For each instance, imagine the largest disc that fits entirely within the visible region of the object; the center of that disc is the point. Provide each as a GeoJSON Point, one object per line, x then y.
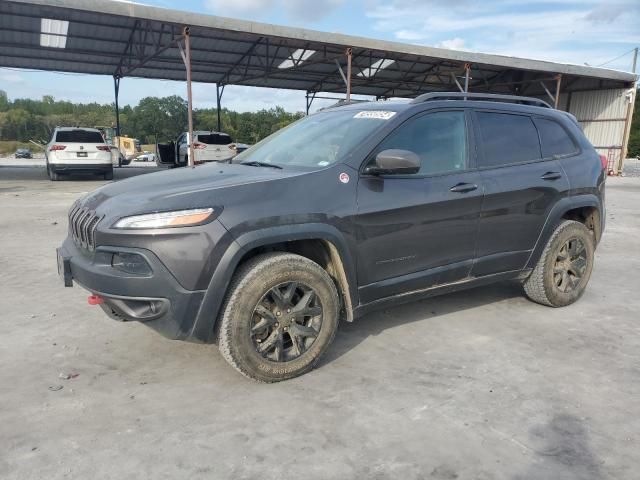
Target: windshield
{"type": "Point", "coordinates": [318, 140]}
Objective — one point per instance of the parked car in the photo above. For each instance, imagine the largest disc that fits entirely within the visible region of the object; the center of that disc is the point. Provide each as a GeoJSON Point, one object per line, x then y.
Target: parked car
{"type": "Point", "coordinates": [23, 153]}
{"type": "Point", "coordinates": [345, 211]}
{"type": "Point", "coordinates": [208, 147]}
{"type": "Point", "coordinates": [240, 147]}
{"type": "Point", "coordinates": [146, 157]}
{"type": "Point", "coordinates": [75, 150]}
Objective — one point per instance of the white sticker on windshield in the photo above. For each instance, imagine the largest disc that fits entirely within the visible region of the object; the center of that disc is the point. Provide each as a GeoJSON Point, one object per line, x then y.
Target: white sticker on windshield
{"type": "Point", "coordinates": [379, 114]}
{"type": "Point", "coordinates": [323, 163]}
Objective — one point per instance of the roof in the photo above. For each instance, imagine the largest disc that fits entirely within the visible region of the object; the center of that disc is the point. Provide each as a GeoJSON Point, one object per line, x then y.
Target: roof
{"type": "Point", "coordinates": [68, 129]}
{"type": "Point", "coordinates": [108, 37]}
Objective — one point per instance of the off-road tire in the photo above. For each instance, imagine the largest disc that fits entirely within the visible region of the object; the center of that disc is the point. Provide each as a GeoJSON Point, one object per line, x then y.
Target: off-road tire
{"type": "Point", "coordinates": [109, 175]}
{"type": "Point", "coordinates": [540, 286]}
{"type": "Point", "coordinates": [253, 279]}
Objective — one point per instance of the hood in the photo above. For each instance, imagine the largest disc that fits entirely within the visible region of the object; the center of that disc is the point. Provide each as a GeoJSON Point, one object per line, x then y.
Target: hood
{"type": "Point", "coordinates": [176, 189]}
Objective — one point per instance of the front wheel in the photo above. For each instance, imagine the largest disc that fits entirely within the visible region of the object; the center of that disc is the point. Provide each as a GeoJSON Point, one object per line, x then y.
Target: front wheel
{"type": "Point", "coordinates": [561, 275]}
{"type": "Point", "coordinates": [280, 315]}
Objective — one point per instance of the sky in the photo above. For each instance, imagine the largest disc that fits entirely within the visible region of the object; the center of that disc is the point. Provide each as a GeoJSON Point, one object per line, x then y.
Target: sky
{"type": "Point", "coordinates": [592, 32]}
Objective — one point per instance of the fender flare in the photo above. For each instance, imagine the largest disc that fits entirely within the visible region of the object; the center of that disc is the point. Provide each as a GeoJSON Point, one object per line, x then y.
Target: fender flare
{"type": "Point", "coordinates": [556, 213]}
{"type": "Point", "coordinates": [203, 326]}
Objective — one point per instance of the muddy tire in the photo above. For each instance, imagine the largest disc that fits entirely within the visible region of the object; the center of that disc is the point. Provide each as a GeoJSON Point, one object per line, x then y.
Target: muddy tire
{"type": "Point", "coordinates": [280, 315]}
{"type": "Point", "coordinates": [564, 268]}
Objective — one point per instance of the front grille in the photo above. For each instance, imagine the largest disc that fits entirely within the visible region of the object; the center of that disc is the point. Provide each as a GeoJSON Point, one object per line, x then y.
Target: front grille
{"type": "Point", "coordinates": [82, 226]}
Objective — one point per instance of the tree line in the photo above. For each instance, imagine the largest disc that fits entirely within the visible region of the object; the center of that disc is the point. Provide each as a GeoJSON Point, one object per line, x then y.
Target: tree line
{"type": "Point", "coordinates": [152, 119]}
{"type": "Point", "coordinates": [160, 119]}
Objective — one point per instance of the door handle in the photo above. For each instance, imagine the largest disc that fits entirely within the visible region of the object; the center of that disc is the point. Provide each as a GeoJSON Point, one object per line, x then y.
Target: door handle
{"type": "Point", "coordinates": [551, 176]}
{"type": "Point", "coordinates": [464, 187]}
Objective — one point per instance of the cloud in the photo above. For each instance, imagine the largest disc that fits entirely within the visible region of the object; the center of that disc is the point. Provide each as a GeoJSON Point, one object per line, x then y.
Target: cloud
{"type": "Point", "coordinates": [453, 44]}
{"type": "Point", "coordinates": [409, 35]}
{"type": "Point", "coordinates": [557, 30]}
{"type": "Point", "coordinates": [300, 10]}
{"type": "Point", "coordinates": [607, 12]}
{"type": "Point", "coordinates": [310, 10]}
{"type": "Point", "coordinates": [225, 8]}
{"type": "Point", "coordinates": [11, 77]}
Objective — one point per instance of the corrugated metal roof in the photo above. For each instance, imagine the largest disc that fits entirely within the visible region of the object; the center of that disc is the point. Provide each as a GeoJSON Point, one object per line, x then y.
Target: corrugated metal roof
{"type": "Point", "coordinates": [109, 37]}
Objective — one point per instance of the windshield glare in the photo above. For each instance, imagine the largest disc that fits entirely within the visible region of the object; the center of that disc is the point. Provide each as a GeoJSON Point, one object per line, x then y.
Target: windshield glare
{"type": "Point", "coordinates": [315, 141]}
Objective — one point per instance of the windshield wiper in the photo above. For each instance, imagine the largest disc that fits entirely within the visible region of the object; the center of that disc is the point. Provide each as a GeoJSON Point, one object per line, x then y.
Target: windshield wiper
{"type": "Point", "coordinates": [255, 163]}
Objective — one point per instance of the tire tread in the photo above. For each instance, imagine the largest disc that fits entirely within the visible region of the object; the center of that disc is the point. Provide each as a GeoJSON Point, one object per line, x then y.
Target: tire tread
{"type": "Point", "coordinates": [254, 267]}
{"type": "Point", "coordinates": [534, 285]}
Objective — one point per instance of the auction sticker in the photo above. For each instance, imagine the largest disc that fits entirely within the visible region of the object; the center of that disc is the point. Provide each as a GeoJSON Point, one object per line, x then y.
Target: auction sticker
{"type": "Point", "coordinates": [377, 114]}
{"type": "Point", "coordinates": [344, 177]}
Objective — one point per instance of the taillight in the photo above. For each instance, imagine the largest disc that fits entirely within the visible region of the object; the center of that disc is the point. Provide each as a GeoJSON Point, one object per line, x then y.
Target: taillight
{"type": "Point", "coordinates": [104, 148]}
{"type": "Point", "coordinates": [604, 161]}
{"type": "Point", "coordinates": [199, 146]}
{"type": "Point", "coordinates": [54, 148]}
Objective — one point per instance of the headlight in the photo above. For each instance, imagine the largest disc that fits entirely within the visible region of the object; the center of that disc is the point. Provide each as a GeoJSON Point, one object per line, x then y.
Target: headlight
{"type": "Point", "coordinates": [177, 218]}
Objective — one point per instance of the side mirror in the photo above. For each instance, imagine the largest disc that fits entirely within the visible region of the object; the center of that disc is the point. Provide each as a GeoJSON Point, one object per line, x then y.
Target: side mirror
{"type": "Point", "coordinates": [394, 162]}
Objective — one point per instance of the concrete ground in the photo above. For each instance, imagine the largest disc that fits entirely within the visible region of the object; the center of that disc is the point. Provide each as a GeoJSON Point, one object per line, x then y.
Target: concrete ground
{"type": "Point", "coordinates": [481, 384]}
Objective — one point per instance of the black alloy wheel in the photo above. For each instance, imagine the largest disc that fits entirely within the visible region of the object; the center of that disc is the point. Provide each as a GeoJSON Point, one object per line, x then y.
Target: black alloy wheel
{"type": "Point", "coordinates": [286, 321]}
{"type": "Point", "coordinates": [570, 265]}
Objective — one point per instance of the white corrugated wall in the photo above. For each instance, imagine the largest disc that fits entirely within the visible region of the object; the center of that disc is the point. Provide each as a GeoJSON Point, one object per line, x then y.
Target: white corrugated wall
{"type": "Point", "coordinates": [605, 116]}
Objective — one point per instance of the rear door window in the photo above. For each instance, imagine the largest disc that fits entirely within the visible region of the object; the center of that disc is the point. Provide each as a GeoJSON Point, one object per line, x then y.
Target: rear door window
{"type": "Point", "coordinates": [555, 140]}
{"type": "Point", "coordinates": [78, 136]}
{"type": "Point", "coordinates": [215, 139]}
{"type": "Point", "coordinates": [507, 138]}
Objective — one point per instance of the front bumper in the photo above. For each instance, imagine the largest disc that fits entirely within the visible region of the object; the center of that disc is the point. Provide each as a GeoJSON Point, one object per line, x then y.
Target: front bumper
{"type": "Point", "coordinates": [155, 299]}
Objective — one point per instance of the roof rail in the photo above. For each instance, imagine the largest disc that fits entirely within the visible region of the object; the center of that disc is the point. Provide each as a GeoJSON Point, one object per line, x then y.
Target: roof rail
{"type": "Point", "coordinates": [343, 102]}
{"type": "Point", "coordinates": [490, 97]}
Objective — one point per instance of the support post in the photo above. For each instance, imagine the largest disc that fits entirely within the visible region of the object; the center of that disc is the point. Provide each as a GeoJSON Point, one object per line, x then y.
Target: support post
{"type": "Point", "coordinates": [631, 97]}
{"type": "Point", "coordinates": [551, 97]}
{"type": "Point", "coordinates": [187, 63]}
{"type": "Point", "coordinates": [467, 71]}
{"type": "Point", "coordinates": [635, 60]}
{"type": "Point", "coordinates": [349, 57]}
{"type": "Point", "coordinates": [453, 77]}
{"type": "Point", "coordinates": [218, 99]}
{"type": "Point", "coordinates": [310, 99]}
{"type": "Point", "coordinates": [116, 87]}
{"type": "Point", "coordinates": [557, 99]}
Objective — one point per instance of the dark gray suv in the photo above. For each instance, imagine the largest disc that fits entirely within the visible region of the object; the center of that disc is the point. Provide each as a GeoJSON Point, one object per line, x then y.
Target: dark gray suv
{"type": "Point", "coordinates": [347, 210]}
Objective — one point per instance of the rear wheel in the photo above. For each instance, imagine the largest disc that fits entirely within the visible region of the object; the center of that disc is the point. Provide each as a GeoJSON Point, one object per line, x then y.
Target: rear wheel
{"type": "Point", "coordinates": [109, 175]}
{"type": "Point", "coordinates": [280, 316]}
{"type": "Point", "coordinates": [561, 275]}
{"type": "Point", "coordinates": [53, 175]}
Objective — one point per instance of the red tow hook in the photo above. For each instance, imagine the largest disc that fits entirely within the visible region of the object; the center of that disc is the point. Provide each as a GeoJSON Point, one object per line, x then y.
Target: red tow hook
{"type": "Point", "coordinates": [95, 300]}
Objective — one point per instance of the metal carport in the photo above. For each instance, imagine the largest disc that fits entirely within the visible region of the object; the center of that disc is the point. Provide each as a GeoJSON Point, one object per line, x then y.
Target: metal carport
{"type": "Point", "coordinates": [122, 39]}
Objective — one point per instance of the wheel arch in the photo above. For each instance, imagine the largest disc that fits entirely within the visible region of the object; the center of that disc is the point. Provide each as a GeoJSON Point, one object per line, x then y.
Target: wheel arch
{"type": "Point", "coordinates": [321, 243]}
{"type": "Point", "coordinates": [586, 209]}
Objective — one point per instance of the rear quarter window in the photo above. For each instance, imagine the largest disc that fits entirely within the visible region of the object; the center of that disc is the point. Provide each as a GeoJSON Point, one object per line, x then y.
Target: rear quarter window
{"type": "Point", "coordinates": [555, 140]}
{"type": "Point", "coordinates": [78, 136]}
{"type": "Point", "coordinates": [215, 139]}
{"type": "Point", "coordinates": [507, 138]}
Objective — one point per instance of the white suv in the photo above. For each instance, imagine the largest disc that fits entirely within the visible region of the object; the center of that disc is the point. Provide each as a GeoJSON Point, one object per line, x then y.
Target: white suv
{"type": "Point", "coordinates": [208, 147]}
{"type": "Point", "coordinates": [78, 150]}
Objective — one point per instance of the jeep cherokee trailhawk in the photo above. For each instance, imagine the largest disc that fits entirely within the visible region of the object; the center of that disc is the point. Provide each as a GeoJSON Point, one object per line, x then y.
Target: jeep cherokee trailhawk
{"type": "Point", "coordinates": [347, 210]}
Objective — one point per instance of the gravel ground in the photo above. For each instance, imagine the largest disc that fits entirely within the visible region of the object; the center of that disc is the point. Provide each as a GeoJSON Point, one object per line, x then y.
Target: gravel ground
{"type": "Point", "coordinates": [631, 167]}
{"type": "Point", "coordinates": [480, 385]}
